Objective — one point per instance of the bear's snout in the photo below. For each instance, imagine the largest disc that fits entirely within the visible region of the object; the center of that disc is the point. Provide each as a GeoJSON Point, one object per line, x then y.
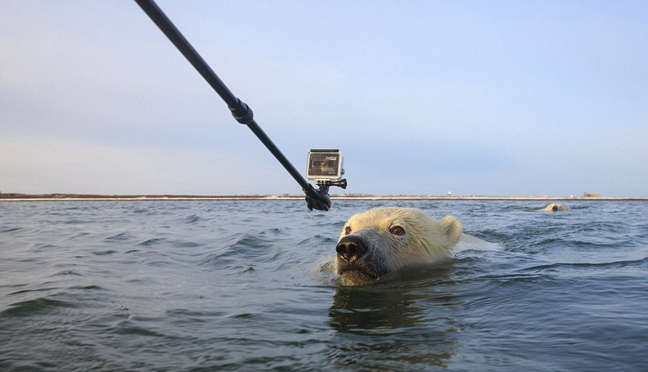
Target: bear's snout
{"type": "Point", "coordinates": [351, 247]}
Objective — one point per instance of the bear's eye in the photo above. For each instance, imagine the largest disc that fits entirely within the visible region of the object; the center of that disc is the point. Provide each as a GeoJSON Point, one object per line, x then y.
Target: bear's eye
{"type": "Point", "coordinates": [397, 230]}
{"type": "Point", "coordinates": [347, 230]}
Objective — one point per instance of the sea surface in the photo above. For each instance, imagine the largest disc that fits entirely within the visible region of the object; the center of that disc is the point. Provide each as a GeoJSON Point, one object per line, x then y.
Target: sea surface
{"type": "Point", "coordinates": [238, 286]}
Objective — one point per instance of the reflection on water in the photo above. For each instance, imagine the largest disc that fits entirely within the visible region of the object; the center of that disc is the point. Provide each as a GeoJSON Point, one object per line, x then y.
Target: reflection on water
{"type": "Point", "coordinates": [405, 325]}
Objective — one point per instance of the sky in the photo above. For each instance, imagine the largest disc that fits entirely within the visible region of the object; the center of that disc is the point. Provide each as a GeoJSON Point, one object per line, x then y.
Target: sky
{"type": "Point", "coordinates": [496, 98]}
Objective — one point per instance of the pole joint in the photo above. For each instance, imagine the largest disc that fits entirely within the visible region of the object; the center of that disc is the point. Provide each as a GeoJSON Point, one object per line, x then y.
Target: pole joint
{"type": "Point", "coordinates": [242, 112]}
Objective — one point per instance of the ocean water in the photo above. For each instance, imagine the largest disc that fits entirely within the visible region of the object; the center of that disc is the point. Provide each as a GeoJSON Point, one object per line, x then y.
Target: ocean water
{"type": "Point", "coordinates": [235, 286]}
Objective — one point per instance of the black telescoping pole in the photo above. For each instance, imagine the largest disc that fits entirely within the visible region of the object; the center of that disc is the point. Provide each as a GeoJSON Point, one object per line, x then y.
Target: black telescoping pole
{"type": "Point", "coordinates": [317, 199]}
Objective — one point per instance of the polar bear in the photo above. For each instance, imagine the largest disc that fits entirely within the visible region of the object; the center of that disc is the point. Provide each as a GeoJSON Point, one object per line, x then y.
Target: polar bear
{"type": "Point", "coordinates": [383, 240]}
{"type": "Point", "coordinates": [555, 207]}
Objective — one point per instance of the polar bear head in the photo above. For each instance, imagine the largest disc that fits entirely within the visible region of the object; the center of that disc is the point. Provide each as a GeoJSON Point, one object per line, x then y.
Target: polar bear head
{"type": "Point", "coordinates": [384, 240]}
{"type": "Point", "coordinates": [556, 207]}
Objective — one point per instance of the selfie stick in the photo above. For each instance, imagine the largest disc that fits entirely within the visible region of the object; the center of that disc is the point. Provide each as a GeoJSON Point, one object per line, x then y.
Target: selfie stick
{"type": "Point", "coordinates": [317, 199]}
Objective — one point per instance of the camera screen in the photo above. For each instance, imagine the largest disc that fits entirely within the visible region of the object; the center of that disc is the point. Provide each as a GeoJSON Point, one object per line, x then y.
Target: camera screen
{"type": "Point", "coordinates": [324, 165]}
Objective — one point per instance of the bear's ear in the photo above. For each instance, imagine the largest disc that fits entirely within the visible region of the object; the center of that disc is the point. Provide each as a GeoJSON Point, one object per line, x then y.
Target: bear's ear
{"type": "Point", "coordinates": [452, 228]}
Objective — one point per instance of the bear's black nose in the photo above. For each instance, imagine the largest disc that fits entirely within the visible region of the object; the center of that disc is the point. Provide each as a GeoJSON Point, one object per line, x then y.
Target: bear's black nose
{"type": "Point", "coordinates": [351, 247]}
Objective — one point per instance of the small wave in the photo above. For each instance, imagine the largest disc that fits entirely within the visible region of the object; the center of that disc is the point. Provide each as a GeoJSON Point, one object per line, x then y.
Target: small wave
{"type": "Point", "coordinates": [317, 240]}
{"type": "Point", "coordinates": [75, 221]}
{"type": "Point", "coordinates": [88, 288]}
{"type": "Point", "coordinates": [183, 244]}
{"type": "Point", "coordinates": [250, 244]}
{"type": "Point", "coordinates": [248, 250]}
{"type": "Point", "coordinates": [10, 229]}
{"type": "Point", "coordinates": [123, 236]}
{"type": "Point", "coordinates": [23, 291]}
{"type": "Point", "coordinates": [104, 252]}
{"type": "Point", "coordinates": [127, 327]}
{"type": "Point", "coordinates": [31, 307]}
{"type": "Point", "coordinates": [40, 247]}
{"type": "Point", "coordinates": [67, 273]}
{"type": "Point", "coordinates": [80, 235]}
{"type": "Point", "coordinates": [491, 235]}
{"type": "Point", "coordinates": [192, 219]}
{"type": "Point", "coordinates": [194, 313]}
{"type": "Point", "coordinates": [151, 242]}
{"type": "Point", "coordinates": [588, 267]}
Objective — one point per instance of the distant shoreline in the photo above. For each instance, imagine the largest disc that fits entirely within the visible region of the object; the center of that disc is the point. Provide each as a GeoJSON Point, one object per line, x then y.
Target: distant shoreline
{"type": "Point", "coordinates": [89, 197]}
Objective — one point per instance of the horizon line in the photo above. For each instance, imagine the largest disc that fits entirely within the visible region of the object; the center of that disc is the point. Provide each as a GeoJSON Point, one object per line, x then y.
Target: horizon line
{"type": "Point", "coordinates": [353, 196]}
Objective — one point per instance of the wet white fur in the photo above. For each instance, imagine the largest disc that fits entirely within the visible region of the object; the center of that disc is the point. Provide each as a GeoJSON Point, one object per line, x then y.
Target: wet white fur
{"type": "Point", "coordinates": [425, 240]}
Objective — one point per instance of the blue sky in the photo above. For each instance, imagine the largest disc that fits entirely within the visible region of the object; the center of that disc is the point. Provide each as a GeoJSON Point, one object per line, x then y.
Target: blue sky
{"type": "Point", "coordinates": [422, 97]}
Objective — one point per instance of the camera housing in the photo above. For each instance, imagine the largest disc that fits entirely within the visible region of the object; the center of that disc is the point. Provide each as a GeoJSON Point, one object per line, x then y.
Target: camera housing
{"type": "Point", "coordinates": [324, 165]}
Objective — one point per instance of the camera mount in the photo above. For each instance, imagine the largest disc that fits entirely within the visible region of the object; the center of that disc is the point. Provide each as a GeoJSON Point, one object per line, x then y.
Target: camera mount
{"type": "Point", "coordinates": [324, 166]}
